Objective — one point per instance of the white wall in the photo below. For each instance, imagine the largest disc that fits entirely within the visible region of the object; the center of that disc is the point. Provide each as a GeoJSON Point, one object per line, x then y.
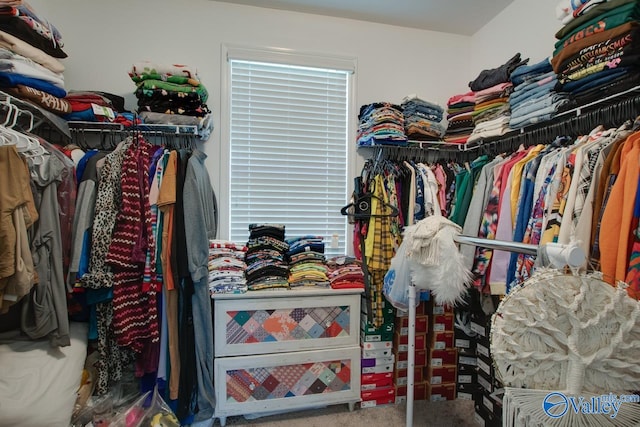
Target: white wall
{"type": "Point", "coordinates": [524, 26]}
{"type": "Point", "coordinates": [104, 38]}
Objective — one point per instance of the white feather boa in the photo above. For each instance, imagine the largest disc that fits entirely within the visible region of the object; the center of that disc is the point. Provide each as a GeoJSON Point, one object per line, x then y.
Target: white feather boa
{"type": "Point", "coordinates": [435, 262]}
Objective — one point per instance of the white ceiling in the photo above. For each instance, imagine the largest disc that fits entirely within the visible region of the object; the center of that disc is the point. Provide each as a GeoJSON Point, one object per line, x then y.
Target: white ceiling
{"type": "Point", "coordinates": [463, 17]}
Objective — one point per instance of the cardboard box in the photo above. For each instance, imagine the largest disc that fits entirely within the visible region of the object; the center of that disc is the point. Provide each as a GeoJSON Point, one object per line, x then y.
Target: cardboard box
{"type": "Point", "coordinates": [485, 365]}
{"type": "Point", "coordinates": [400, 342]}
{"type": "Point", "coordinates": [467, 378]}
{"type": "Point", "coordinates": [377, 402]}
{"type": "Point", "coordinates": [424, 307]}
{"type": "Point", "coordinates": [442, 322]}
{"type": "Point", "coordinates": [485, 382]}
{"type": "Point", "coordinates": [468, 391]}
{"type": "Point", "coordinates": [464, 342]}
{"type": "Point", "coordinates": [441, 309]}
{"type": "Point", "coordinates": [419, 391]}
{"type": "Point", "coordinates": [442, 392]}
{"type": "Point", "coordinates": [374, 354]}
{"type": "Point", "coordinates": [373, 381]}
{"type": "Point", "coordinates": [370, 333]}
{"type": "Point", "coordinates": [467, 360]}
{"type": "Point", "coordinates": [441, 374]}
{"type": "Point", "coordinates": [388, 311]}
{"type": "Point", "coordinates": [482, 349]}
{"type": "Point", "coordinates": [443, 357]}
{"type": "Point", "coordinates": [378, 393]}
{"type": "Point", "coordinates": [403, 356]}
{"type": "Point", "coordinates": [422, 324]}
{"type": "Point", "coordinates": [485, 418]}
{"type": "Point", "coordinates": [497, 384]}
{"type": "Point", "coordinates": [479, 328]}
{"type": "Point", "coordinates": [378, 369]}
{"type": "Point", "coordinates": [400, 376]}
{"type": "Point", "coordinates": [465, 345]}
{"type": "Point", "coordinates": [496, 398]}
{"type": "Point", "coordinates": [382, 345]}
{"type": "Point", "coordinates": [442, 340]}
{"type": "Point", "coordinates": [369, 362]}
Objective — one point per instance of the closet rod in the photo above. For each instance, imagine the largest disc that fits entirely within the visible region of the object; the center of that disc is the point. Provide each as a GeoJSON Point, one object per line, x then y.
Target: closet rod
{"type": "Point", "coordinates": [143, 127]}
{"type": "Point", "coordinates": [501, 245]}
{"type": "Point", "coordinates": [609, 111]}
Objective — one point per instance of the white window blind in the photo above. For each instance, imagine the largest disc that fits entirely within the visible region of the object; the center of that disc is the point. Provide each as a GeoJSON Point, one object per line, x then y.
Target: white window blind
{"type": "Point", "coordinates": [288, 150]}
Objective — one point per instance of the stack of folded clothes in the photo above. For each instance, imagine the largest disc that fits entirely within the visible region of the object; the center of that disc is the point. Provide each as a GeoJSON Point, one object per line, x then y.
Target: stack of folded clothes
{"type": "Point", "coordinates": [491, 113]}
{"type": "Point", "coordinates": [267, 266]}
{"type": "Point", "coordinates": [345, 272]}
{"type": "Point", "coordinates": [381, 123]}
{"type": "Point", "coordinates": [306, 262]}
{"type": "Point", "coordinates": [226, 267]}
{"type": "Point", "coordinates": [492, 88]}
{"type": "Point", "coordinates": [172, 94]}
{"type": "Point", "coordinates": [459, 118]}
{"type": "Point", "coordinates": [534, 98]}
{"type": "Point", "coordinates": [598, 49]}
{"type": "Point", "coordinates": [30, 49]}
{"type": "Point", "coordinates": [97, 106]}
{"type": "Point", "coordinates": [423, 121]}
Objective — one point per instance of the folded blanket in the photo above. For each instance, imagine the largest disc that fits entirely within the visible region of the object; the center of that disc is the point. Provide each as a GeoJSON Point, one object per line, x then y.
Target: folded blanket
{"type": "Point", "coordinates": [31, 69]}
{"type": "Point", "coordinates": [148, 67]}
{"type": "Point", "coordinates": [171, 79]}
{"type": "Point", "coordinates": [44, 29]}
{"type": "Point", "coordinates": [43, 99]}
{"type": "Point", "coordinates": [12, 80]}
{"type": "Point", "coordinates": [116, 102]}
{"type": "Point", "coordinates": [23, 48]}
{"type": "Point", "coordinates": [173, 87]}
{"type": "Point", "coordinates": [18, 28]}
{"type": "Point", "coordinates": [25, 10]}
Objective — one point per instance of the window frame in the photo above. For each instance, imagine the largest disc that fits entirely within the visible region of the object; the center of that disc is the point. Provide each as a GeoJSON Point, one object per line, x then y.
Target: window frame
{"type": "Point", "coordinates": [287, 57]}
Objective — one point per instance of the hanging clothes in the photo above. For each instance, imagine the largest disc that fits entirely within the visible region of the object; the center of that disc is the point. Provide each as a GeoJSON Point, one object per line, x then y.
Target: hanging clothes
{"type": "Point", "coordinates": [17, 213]}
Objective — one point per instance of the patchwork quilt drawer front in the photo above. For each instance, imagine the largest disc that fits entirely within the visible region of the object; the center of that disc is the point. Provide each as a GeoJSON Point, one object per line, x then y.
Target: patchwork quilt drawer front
{"type": "Point", "coordinates": [264, 325]}
{"type": "Point", "coordinates": [287, 380]}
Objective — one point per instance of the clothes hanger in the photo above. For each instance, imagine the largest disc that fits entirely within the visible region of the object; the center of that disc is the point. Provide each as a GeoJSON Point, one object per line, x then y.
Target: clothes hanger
{"type": "Point", "coordinates": [11, 110]}
{"type": "Point", "coordinates": [360, 207]}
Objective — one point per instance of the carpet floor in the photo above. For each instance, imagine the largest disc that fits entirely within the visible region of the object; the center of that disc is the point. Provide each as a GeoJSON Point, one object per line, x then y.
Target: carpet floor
{"type": "Point", "coordinates": [458, 413]}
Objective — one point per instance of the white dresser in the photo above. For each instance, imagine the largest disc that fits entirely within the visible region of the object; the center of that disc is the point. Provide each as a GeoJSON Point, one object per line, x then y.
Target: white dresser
{"type": "Point", "coordinates": [279, 350]}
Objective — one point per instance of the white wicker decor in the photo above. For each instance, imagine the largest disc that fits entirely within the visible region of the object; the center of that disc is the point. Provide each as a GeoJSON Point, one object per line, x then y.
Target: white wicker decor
{"type": "Point", "coordinates": [574, 334]}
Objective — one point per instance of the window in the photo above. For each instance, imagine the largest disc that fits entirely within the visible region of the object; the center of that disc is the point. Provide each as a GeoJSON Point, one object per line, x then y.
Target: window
{"type": "Point", "coordinates": [288, 140]}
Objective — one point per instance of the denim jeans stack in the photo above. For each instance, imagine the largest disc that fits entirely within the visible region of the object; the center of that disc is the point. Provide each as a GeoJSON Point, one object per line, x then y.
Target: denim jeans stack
{"type": "Point", "coordinates": [534, 98]}
{"type": "Point", "coordinates": [423, 120]}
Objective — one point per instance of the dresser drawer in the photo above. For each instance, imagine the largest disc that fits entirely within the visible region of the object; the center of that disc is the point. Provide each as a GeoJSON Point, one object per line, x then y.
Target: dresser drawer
{"type": "Point", "coordinates": [260, 324]}
{"type": "Point", "coordinates": [262, 383]}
